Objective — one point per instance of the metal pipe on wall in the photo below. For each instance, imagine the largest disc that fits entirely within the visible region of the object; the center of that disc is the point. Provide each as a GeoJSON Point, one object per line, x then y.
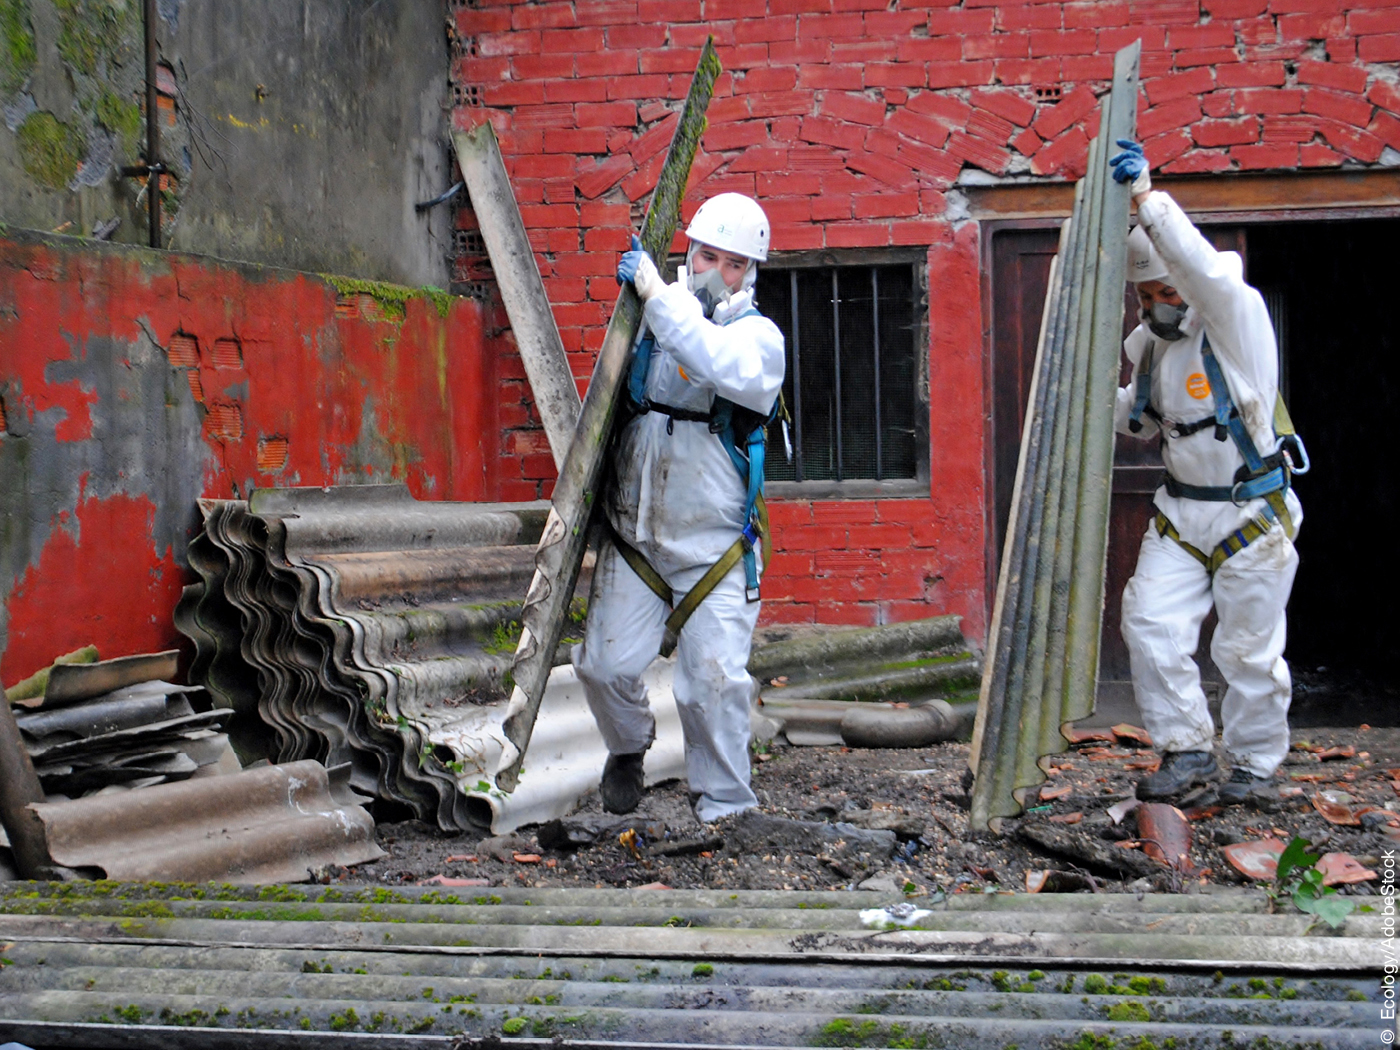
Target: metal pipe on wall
{"type": "Point", "coordinates": [154, 168]}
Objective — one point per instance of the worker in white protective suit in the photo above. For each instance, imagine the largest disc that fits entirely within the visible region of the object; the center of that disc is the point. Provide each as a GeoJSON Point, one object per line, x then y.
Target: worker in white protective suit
{"type": "Point", "coordinates": [1205, 377]}
{"type": "Point", "coordinates": [678, 505]}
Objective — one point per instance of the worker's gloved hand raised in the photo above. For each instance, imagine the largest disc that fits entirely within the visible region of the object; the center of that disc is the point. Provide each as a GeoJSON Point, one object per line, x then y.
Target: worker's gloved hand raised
{"type": "Point", "coordinates": [636, 266]}
{"type": "Point", "coordinates": [1131, 166]}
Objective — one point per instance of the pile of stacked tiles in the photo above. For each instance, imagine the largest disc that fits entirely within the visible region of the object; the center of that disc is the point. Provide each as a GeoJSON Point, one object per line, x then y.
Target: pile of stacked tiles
{"type": "Point", "coordinates": [358, 625]}
{"type": "Point", "coordinates": [118, 724]}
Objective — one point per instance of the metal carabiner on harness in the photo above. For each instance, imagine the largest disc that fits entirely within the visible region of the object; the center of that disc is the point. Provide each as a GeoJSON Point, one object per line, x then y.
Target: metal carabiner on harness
{"type": "Point", "coordinates": [1287, 445]}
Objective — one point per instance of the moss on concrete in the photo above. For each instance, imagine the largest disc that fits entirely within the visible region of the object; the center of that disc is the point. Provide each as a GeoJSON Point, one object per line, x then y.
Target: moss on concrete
{"type": "Point", "coordinates": [50, 150]}
{"type": "Point", "coordinates": [393, 299]}
{"type": "Point", "coordinates": [121, 117]}
{"type": "Point", "coordinates": [17, 38]}
{"type": "Point", "coordinates": [93, 32]}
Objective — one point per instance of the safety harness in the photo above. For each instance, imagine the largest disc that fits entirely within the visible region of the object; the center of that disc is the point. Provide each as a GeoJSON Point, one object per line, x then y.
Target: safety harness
{"type": "Point", "coordinates": [744, 435]}
{"type": "Point", "coordinates": [1261, 476]}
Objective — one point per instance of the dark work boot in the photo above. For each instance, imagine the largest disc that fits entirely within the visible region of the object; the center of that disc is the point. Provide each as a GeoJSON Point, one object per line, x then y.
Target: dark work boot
{"type": "Point", "coordinates": [1241, 785]}
{"type": "Point", "coordinates": [1179, 772]}
{"type": "Point", "coordinates": [622, 782]}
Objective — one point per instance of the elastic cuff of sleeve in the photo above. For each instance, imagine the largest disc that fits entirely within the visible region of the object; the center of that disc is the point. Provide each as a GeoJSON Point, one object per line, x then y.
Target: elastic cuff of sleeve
{"type": "Point", "coordinates": [648, 281]}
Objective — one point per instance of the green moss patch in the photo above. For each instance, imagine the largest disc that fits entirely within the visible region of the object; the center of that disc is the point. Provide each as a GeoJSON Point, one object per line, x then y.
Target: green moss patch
{"type": "Point", "coordinates": [393, 299]}
{"type": "Point", "coordinates": [121, 117]}
{"type": "Point", "coordinates": [18, 40]}
{"type": "Point", "coordinates": [93, 31]}
{"type": "Point", "coordinates": [50, 150]}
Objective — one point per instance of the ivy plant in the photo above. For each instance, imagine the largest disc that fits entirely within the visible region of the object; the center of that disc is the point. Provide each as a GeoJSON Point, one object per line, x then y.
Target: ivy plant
{"type": "Point", "coordinates": [1299, 879]}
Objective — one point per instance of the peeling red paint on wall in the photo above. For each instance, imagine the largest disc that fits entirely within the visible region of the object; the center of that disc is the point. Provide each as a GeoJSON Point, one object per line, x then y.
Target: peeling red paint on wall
{"type": "Point", "coordinates": [100, 580]}
{"type": "Point", "coordinates": [137, 382]}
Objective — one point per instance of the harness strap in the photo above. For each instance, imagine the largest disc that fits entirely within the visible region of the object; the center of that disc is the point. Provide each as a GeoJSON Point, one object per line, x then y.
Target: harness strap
{"type": "Point", "coordinates": [1274, 479]}
{"type": "Point", "coordinates": [749, 462]}
{"type": "Point", "coordinates": [740, 549]}
{"type": "Point", "coordinates": [1227, 418]}
{"type": "Point", "coordinates": [688, 415]}
{"type": "Point", "coordinates": [1275, 510]}
{"type": "Point", "coordinates": [641, 567]}
{"type": "Point", "coordinates": [1142, 399]}
{"type": "Point", "coordinates": [1181, 430]}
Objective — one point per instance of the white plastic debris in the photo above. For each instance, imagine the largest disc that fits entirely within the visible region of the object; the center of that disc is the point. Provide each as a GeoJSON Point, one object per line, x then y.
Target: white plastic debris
{"type": "Point", "coordinates": [901, 914]}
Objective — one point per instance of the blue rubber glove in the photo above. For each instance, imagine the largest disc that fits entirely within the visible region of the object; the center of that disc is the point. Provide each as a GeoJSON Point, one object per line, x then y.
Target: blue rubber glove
{"type": "Point", "coordinates": [1131, 166]}
{"type": "Point", "coordinates": [636, 266]}
{"type": "Point", "coordinates": [627, 265]}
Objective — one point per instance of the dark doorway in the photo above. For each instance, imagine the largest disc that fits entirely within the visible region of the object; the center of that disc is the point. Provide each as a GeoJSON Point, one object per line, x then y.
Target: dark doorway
{"type": "Point", "coordinates": [1326, 287]}
{"type": "Point", "coordinates": [1330, 288]}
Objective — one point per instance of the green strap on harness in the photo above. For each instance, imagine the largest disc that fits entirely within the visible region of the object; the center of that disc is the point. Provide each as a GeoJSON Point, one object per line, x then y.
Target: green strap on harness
{"type": "Point", "coordinates": [1275, 511]}
{"type": "Point", "coordinates": [682, 610]}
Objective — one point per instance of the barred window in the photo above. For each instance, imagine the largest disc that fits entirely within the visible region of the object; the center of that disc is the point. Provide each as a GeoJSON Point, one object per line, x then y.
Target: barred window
{"type": "Point", "coordinates": [854, 384]}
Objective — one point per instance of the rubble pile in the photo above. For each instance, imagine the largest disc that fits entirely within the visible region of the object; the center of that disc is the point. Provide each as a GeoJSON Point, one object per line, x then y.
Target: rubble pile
{"type": "Point", "coordinates": [1081, 832]}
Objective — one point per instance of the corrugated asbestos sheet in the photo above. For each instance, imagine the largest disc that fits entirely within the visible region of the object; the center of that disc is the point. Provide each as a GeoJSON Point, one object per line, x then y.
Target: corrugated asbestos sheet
{"type": "Point", "coordinates": [357, 625]}
{"type": "Point", "coordinates": [269, 824]}
{"type": "Point", "coordinates": [134, 736]}
{"type": "Point", "coordinates": [1042, 665]}
{"type": "Point", "coordinates": [168, 967]}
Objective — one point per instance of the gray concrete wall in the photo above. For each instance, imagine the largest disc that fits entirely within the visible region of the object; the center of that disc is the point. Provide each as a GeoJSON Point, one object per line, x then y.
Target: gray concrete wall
{"type": "Point", "coordinates": [300, 133]}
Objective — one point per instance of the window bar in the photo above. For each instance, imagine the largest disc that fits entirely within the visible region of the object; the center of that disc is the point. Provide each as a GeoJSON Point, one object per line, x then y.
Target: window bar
{"type": "Point", "coordinates": [875, 311]}
{"type": "Point", "coordinates": [796, 409]}
{"type": "Point", "coordinates": [836, 354]}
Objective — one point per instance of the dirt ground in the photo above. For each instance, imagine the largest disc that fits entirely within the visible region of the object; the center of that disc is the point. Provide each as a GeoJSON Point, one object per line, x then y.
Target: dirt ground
{"type": "Point", "coordinates": [921, 793]}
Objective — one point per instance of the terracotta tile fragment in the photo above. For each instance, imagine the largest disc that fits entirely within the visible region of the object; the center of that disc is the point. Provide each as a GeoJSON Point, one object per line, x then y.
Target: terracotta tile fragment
{"type": "Point", "coordinates": [1256, 859]}
{"type": "Point", "coordinates": [1082, 736]}
{"type": "Point", "coordinates": [1165, 833]}
{"type": "Point", "coordinates": [1124, 731]}
{"type": "Point", "coordinates": [445, 880]}
{"type": "Point", "coordinates": [1334, 807]}
{"type": "Point", "coordinates": [1340, 868]}
{"type": "Point", "coordinates": [1345, 751]}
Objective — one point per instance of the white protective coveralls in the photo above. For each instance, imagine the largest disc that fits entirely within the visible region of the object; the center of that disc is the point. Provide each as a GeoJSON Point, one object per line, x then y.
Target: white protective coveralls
{"type": "Point", "coordinates": [678, 499]}
{"type": "Point", "coordinates": [1171, 592]}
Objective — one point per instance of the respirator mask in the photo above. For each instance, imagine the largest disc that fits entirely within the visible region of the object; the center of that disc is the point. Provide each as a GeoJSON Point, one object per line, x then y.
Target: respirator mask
{"type": "Point", "coordinates": [709, 288]}
{"type": "Point", "coordinates": [1164, 320]}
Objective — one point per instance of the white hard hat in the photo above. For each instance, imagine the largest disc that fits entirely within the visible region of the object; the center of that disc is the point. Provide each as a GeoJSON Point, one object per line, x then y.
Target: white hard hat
{"type": "Point", "coordinates": [734, 223]}
{"type": "Point", "coordinates": [1144, 264]}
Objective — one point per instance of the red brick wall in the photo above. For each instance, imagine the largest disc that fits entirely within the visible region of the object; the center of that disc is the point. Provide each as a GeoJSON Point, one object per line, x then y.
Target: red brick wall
{"type": "Point", "coordinates": [850, 121]}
